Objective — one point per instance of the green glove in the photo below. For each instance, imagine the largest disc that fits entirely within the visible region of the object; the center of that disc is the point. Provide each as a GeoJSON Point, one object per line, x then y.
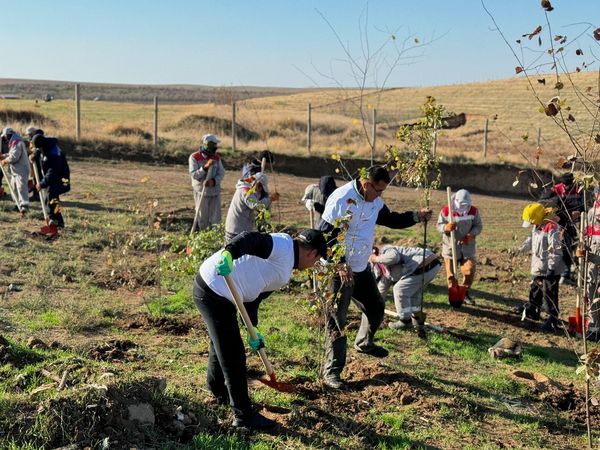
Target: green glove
{"type": "Point", "coordinates": [225, 265]}
{"type": "Point", "coordinates": [256, 344]}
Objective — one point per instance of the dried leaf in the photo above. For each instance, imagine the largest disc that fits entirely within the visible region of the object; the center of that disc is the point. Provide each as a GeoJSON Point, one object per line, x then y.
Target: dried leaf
{"type": "Point", "coordinates": [417, 40]}
{"type": "Point", "coordinates": [594, 401]}
{"type": "Point", "coordinates": [551, 109]}
{"type": "Point", "coordinates": [559, 85]}
{"type": "Point", "coordinates": [535, 32]}
{"type": "Point", "coordinates": [518, 41]}
{"type": "Point", "coordinates": [542, 81]}
{"type": "Point", "coordinates": [558, 37]}
{"type": "Point", "coordinates": [519, 69]}
{"type": "Point", "coordinates": [144, 179]}
{"type": "Point", "coordinates": [570, 118]}
{"type": "Point", "coordinates": [539, 41]}
{"type": "Point", "coordinates": [547, 5]}
{"type": "Point", "coordinates": [525, 137]}
{"type": "Point", "coordinates": [533, 185]}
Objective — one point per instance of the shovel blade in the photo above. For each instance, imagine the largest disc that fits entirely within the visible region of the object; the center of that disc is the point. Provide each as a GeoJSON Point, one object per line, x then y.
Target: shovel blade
{"type": "Point", "coordinates": [456, 295]}
{"type": "Point", "coordinates": [49, 230]}
{"type": "Point", "coordinates": [277, 385]}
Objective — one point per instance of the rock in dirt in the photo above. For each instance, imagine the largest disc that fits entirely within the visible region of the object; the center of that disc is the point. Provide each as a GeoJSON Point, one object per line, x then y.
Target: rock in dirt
{"type": "Point", "coordinates": [115, 350]}
{"type": "Point", "coordinates": [506, 348]}
{"type": "Point", "coordinates": [141, 412]}
{"type": "Point", "coordinates": [36, 344]}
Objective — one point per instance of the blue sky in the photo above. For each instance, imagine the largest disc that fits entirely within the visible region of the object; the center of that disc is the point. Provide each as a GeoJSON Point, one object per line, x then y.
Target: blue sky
{"type": "Point", "coordinates": [268, 42]}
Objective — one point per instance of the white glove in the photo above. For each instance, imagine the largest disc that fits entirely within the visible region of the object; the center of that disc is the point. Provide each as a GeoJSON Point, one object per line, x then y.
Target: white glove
{"type": "Point", "coordinates": [310, 204]}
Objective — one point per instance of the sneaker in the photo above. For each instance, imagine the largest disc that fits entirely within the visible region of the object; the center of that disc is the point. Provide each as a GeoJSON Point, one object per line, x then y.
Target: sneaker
{"type": "Point", "coordinates": [405, 324]}
{"type": "Point", "coordinates": [375, 350]}
{"type": "Point", "coordinates": [255, 421]}
{"type": "Point", "coordinates": [549, 326]}
{"type": "Point", "coordinates": [469, 300]}
{"type": "Point", "coordinates": [333, 382]}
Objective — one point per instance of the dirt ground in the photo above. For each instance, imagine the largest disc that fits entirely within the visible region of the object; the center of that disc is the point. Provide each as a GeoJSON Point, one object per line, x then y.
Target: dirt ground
{"type": "Point", "coordinates": [90, 298]}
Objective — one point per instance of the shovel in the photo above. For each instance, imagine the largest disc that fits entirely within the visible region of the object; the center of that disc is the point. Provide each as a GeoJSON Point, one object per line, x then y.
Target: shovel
{"type": "Point", "coordinates": [271, 381]}
{"type": "Point", "coordinates": [456, 293]}
{"type": "Point", "coordinates": [50, 230]}
{"type": "Point", "coordinates": [10, 188]}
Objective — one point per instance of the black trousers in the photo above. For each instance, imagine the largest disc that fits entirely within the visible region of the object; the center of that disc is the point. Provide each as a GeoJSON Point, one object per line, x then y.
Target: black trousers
{"type": "Point", "coordinates": [226, 372]}
{"type": "Point", "coordinates": [366, 296]}
{"type": "Point", "coordinates": [545, 290]}
{"type": "Point", "coordinates": [54, 213]}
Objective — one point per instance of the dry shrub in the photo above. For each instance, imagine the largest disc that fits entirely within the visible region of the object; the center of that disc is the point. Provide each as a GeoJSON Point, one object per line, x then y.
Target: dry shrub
{"type": "Point", "coordinates": [130, 132]}
{"type": "Point", "coordinates": [24, 117]}
{"type": "Point", "coordinates": [213, 124]}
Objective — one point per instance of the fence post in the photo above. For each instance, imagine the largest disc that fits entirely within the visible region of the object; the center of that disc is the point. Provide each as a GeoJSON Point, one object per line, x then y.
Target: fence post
{"type": "Point", "coordinates": [155, 122]}
{"type": "Point", "coordinates": [77, 113]}
{"type": "Point", "coordinates": [485, 138]}
{"type": "Point", "coordinates": [308, 127]}
{"type": "Point", "coordinates": [374, 132]}
{"type": "Point", "coordinates": [233, 111]}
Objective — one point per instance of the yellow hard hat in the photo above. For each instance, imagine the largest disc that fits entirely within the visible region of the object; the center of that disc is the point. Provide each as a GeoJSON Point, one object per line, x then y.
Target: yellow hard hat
{"type": "Point", "coordinates": [533, 213]}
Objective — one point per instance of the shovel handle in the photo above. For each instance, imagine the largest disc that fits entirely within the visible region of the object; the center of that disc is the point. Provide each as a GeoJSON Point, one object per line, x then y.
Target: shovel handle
{"type": "Point", "coordinates": [246, 319]}
{"type": "Point", "coordinates": [452, 235]}
{"type": "Point", "coordinates": [10, 188]}
{"type": "Point", "coordinates": [36, 174]}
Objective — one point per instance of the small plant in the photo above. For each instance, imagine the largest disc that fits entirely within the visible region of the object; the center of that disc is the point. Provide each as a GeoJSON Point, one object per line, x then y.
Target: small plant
{"type": "Point", "coordinates": [192, 251]}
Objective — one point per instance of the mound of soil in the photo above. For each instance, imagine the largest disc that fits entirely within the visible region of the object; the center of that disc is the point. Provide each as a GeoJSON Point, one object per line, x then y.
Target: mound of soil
{"type": "Point", "coordinates": [217, 126]}
{"type": "Point", "coordinates": [16, 356]}
{"type": "Point", "coordinates": [121, 415]}
{"type": "Point", "coordinates": [131, 132]}
{"type": "Point", "coordinates": [25, 117]}
{"type": "Point", "coordinates": [168, 325]}
{"type": "Point", "coordinates": [115, 350]}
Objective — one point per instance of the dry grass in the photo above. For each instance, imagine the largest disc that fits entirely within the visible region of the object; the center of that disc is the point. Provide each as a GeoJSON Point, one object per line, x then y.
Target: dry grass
{"type": "Point", "coordinates": [280, 121]}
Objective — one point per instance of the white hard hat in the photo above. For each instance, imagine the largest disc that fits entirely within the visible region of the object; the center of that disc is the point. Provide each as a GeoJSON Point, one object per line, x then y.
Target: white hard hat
{"type": "Point", "coordinates": [210, 138]}
{"type": "Point", "coordinates": [6, 131]}
{"type": "Point", "coordinates": [30, 131]}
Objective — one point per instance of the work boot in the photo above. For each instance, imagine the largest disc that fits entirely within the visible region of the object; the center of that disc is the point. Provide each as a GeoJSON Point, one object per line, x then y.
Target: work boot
{"type": "Point", "coordinates": [374, 350]}
{"type": "Point", "coordinates": [527, 310]}
{"type": "Point", "coordinates": [402, 324]}
{"type": "Point", "coordinates": [469, 299]}
{"type": "Point", "coordinates": [550, 325]}
{"type": "Point", "coordinates": [254, 421]}
{"type": "Point", "coordinates": [333, 381]}
{"type": "Point", "coordinates": [24, 210]}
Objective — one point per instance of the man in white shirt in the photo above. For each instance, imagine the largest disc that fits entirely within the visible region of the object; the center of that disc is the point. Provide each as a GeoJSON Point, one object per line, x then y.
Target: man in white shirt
{"type": "Point", "coordinates": [358, 203]}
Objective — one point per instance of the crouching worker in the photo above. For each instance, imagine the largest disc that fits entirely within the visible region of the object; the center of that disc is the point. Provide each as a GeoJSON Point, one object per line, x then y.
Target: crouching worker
{"type": "Point", "coordinates": [273, 256]}
{"type": "Point", "coordinates": [405, 268]}
{"type": "Point", "coordinates": [55, 175]}
{"type": "Point", "coordinates": [545, 245]}
{"type": "Point", "coordinates": [466, 224]}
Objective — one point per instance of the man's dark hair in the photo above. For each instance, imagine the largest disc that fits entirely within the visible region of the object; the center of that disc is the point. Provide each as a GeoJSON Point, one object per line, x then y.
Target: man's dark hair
{"type": "Point", "coordinates": [379, 173]}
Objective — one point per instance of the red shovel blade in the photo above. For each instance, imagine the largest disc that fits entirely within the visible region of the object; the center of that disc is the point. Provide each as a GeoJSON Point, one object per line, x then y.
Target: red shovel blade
{"type": "Point", "coordinates": [456, 295]}
{"type": "Point", "coordinates": [50, 230]}
{"type": "Point", "coordinates": [277, 385]}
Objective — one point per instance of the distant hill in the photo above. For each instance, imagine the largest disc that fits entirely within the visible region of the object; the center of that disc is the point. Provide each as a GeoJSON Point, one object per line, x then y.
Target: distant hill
{"type": "Point", "coordinates": [170, 93]}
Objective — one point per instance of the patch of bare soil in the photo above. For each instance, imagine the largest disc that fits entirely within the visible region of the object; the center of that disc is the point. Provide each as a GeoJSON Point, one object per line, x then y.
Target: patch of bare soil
{"type": "Point", "coordinates": [168, 325]}
{"type": "Point", "coordinates": [139, 269]}
{"type": "Point", "coordinates": [115, 350]}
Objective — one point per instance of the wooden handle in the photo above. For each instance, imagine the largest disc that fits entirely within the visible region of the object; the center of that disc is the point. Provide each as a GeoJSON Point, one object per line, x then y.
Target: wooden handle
{"type": "Point", "coordinates": [452, 235]}
{"type": "Point", "coordinates": [246, 319]}
{"type": "Point", "coordinates": [580, 273]}
{"type": "Point", "coordinates": [36, 174]}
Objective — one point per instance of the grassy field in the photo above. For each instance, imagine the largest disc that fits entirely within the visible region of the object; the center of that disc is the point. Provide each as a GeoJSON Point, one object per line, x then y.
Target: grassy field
{"type": "Point", "coordinates": [100, 322]}
{"type": "Point", "coordinates": [278, 122]}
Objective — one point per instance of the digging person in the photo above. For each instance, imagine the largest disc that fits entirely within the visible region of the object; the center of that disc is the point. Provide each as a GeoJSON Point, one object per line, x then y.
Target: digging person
{"type": "Point", "coordinates": [207, 172]}
{"type": "Point", "coordinates": [359, 203]}
{"type": "Point", "coordinates": [273, 256]}
{"type": "Point", "coordinates": [405, 268]}
{"type": "Point", "coordinates": [466, 224]}
{"type": "Point", "coordinates": [316, 195]}
{"type": "Point", "coordinates": [16, 158]}
{"type": "Point", "coordinates": [55, 175]}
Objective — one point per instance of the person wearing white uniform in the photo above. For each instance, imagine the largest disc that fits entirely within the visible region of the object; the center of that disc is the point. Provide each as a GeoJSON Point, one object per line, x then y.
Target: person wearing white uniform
{"type": "Point", "coordinates": [359, 204]}
{"type": "Point", "coordinates": [259, 263]}
{"type": "Point", "coordinates": [19, 167]}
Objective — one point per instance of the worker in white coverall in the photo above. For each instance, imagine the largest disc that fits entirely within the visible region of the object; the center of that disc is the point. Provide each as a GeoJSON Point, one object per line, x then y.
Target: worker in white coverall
{"type": "Point", "coordinates": [207, 172]}
{"type": "Point", "coordinates": [17, 160]}
{"type": "Point", "coordinates": [405, 268]}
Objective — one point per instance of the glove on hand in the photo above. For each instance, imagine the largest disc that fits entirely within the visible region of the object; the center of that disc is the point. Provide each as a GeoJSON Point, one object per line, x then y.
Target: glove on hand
{"type": "Point", "coordinates": [450, 226]}
{"type": "Point", "coordinates": [468, 238]}
{"type": "Point", "coordinates": [258, 343]}
{"type": "Point", "coordinates": [225, 265]}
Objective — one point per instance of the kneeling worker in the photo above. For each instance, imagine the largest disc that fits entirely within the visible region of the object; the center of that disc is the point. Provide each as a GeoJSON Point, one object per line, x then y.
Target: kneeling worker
{"type": "Point", "coordinates": [273, 256]}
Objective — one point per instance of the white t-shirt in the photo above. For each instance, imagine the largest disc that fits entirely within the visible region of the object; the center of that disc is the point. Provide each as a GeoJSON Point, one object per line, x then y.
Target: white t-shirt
{"type": "Point", "coordinates": [347, 201]}
{"type": "Point", "coordinates": [253, 275]}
